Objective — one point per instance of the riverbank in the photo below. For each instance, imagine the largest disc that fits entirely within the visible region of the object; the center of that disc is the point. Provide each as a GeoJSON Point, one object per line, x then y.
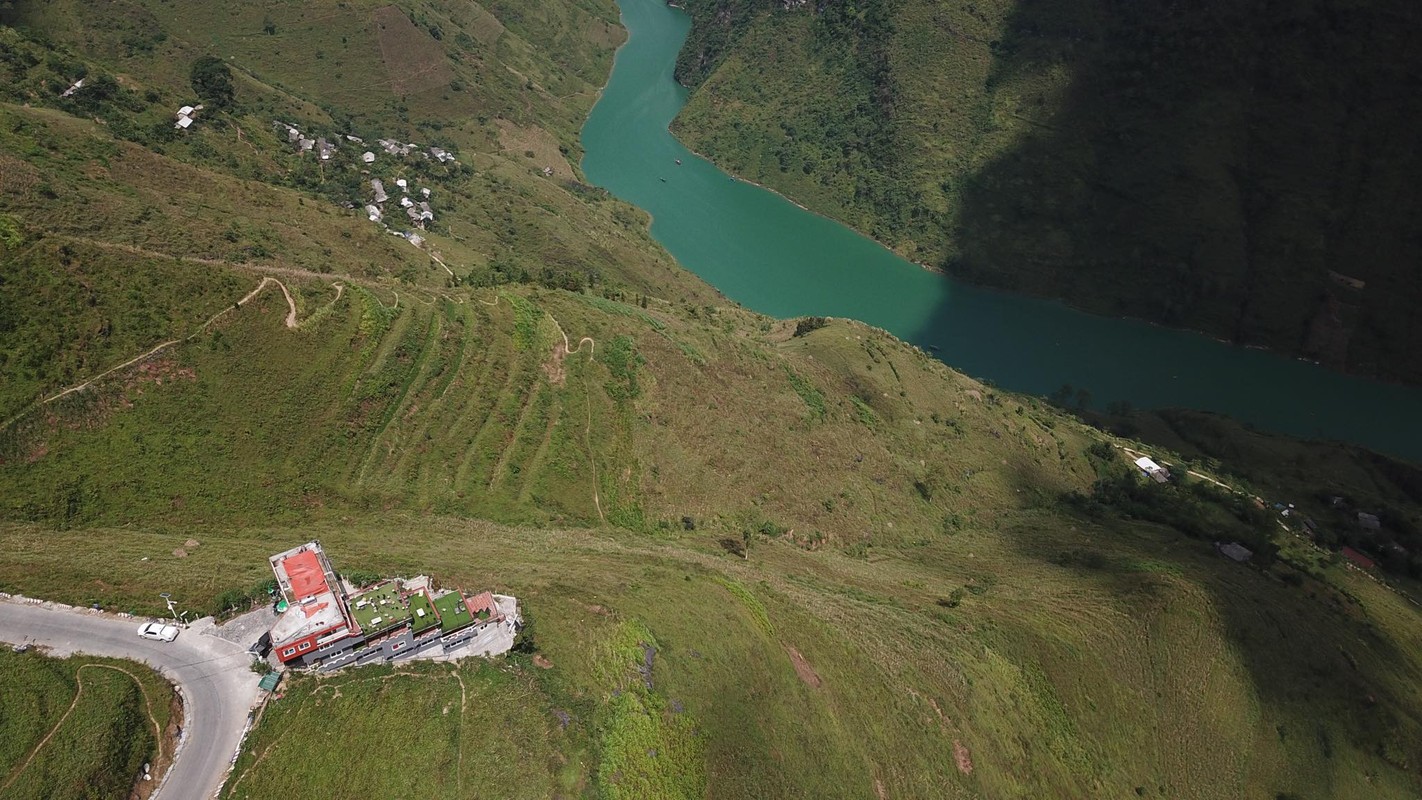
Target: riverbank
{"type": "Point", "coordinates": [774, 256]}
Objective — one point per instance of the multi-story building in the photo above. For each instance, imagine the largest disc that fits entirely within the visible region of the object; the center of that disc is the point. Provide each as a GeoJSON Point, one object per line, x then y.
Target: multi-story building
{"type": "Point", "coordinates": [328, 625]}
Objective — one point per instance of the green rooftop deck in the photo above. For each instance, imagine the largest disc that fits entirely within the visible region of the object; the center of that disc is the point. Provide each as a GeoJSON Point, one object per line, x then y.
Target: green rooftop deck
{"type": "Point", "coordinates": [379, 609]}
{"type": "Point", "coordinates": [425, 621]}
{"type": "Point", "coordinates": [453, 614]}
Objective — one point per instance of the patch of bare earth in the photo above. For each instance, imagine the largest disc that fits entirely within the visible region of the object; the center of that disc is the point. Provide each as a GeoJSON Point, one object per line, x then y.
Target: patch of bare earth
{"type": "Point", "coordinates": [962, 757]}
{"type": "Point", "coordinates": [553, 367]}
{"type": "Point", "coordinates": [879, 790]}
{"type": "Point", "coordinates": [803, 668]}
{"type": "Point", "coordinates": [541, 662]}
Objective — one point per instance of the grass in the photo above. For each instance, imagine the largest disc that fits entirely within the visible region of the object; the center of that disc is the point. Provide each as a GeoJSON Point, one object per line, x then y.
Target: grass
{"type": "Point", "coordinates": [79, 727]}
{"type": "Point", "coordinates": [1000, 141]}
{"type": "Point", "coordinates": [438, 731]}
{"type": "Point", "coordinates": [918, 596]}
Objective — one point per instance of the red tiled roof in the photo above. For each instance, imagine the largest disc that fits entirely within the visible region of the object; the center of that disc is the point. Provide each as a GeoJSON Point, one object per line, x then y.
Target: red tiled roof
{"type": "Point", "coordinates": [484, 601]}
{"type": "Point", "coordinates": [1358, 558]}
{"type": "Point", "coordinates": [304, 572]}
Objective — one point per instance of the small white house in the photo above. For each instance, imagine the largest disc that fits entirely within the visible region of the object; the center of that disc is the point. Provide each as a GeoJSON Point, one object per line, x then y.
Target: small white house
{"type": "Point", "coordinates": [373, 212]}
{"type": "Point", "coordinates": [379, 189]}
{"type": "Point", "coordinates": [368, 157]}
{"type": "Point", "coordinates": [79, 84]}
{"type": "Point", "coordinates": [1153, 470]}
{"type": "Point", "coordinates": [403, 184]}
{"type": "Point", "coordinates": [186, 115]}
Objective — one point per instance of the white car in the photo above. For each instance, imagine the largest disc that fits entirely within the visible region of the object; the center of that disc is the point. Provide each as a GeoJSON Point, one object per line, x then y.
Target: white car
{"type": "Point", "coordinates": [158, 632]}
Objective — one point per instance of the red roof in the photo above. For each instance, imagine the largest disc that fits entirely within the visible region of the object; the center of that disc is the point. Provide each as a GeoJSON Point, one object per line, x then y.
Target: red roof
{"type": "Point", "coordinates": [1358, 558]}
{"type": "Point", "coordinates": [484, 601]}
{"type": "Point", "coordinates": [305, 573]}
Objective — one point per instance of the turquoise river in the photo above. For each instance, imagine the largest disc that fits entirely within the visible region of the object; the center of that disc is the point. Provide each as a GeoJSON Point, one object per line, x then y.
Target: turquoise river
{"type": "Point", "coordinates": [773, 257]}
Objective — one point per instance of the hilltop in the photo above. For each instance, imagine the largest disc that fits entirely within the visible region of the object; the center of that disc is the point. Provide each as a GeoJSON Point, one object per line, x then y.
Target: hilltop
{"type": "Point", "coordinates": [759, 558]}
{"type": "Point", "coordinates": [1231, 168]}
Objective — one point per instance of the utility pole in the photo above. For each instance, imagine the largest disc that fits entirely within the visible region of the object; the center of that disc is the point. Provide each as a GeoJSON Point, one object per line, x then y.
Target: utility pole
{"type": "Point", "coordinates": [172, 609]}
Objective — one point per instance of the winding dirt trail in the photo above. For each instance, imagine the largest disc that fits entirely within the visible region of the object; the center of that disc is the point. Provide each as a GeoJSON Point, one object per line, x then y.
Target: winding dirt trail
{"type": "Point", "coordinates": [79, 693]}
{"type": "Point", "coordinates": [587, 397]}
{"type": "Point", "coordinates": [290, 323]}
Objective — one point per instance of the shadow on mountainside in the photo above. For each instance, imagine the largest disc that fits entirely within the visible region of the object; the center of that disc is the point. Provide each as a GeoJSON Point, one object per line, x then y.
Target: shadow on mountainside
{"type": "Point", "coordinates": [1249, 169]}
{"type": "Point", "coordinates": [1305, 681]}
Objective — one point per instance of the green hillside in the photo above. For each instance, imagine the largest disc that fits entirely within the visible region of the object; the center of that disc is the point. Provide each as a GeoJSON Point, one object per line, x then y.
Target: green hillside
{"type": "Point", "coordinates": [758, 558]}
{"type": "Point", "coordinates": [1234, 168]}
{"type": "Point", "coordinates": [80, 727]}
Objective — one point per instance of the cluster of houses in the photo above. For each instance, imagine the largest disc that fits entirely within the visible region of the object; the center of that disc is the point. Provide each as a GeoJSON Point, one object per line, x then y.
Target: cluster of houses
{"type": "Point", "coordinates": [419, 211]}
{"type": "Point", "coordinates": [324, 148]}
{"type": "Point", "coordinates": [324, 623]}
{"type": "Point", "coordinates": [414, 201]}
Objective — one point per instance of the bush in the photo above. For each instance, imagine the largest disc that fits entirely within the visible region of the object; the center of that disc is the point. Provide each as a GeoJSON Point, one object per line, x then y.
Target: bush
{"type": "Point", "coordinates": [808, 325]}
{"type": "Point", "coordinates": [212, 80]}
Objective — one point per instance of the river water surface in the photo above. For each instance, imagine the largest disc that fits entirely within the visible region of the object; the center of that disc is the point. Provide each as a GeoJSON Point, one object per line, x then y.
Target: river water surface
{"type": "Point", "coordinates": [771, 256]}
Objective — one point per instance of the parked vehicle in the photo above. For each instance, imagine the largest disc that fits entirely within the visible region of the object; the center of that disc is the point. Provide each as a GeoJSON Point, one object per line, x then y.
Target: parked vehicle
{"type": "Point", "coordinates": [158, 632]}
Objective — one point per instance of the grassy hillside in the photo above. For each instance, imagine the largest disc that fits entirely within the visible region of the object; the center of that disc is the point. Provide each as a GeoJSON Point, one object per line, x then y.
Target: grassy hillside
{"type": "Point", "coordinates": [759, 558]}
{"type": "Point", "coordinates": [80, 727]}
{"type": "Point", "coordinates": [1231, 168]}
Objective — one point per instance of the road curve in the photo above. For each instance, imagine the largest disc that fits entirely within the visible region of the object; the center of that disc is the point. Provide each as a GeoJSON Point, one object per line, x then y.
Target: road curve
{"type": "Point", "coordinates": [214, 676]}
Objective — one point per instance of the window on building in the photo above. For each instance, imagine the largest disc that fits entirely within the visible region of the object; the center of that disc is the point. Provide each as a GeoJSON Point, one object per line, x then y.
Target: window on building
{"type": "Point", "coordinates": [305, 645]}
{"type": "Point", "coordinates": [290, 651]}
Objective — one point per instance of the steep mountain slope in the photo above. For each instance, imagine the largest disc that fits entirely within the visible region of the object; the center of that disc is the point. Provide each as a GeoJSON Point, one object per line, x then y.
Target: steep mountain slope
{"type": "Point", "coordinates": [1236, 168]}
{"type": "Point", "coordinates": [760, 558]}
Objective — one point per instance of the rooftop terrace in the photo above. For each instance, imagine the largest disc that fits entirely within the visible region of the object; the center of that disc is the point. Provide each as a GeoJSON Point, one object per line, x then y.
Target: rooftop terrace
{"type": "Point", "coordinates": [379, 609]}
{"type": "Point", "coordinates": [453, 613]}
{"type": "Point", "coordinates": [424, 613]}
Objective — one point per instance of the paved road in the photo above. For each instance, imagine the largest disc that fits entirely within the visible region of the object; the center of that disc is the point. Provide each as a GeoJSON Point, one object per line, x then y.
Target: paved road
{"type": "Point", "coordinates": [214, 676]}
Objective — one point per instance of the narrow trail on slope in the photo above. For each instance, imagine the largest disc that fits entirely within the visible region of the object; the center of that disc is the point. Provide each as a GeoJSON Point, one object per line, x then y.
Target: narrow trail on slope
{"type": "Point", "coordinates": [587, 397]}
{"type": "Point", "coordinates": [79, 693]}
{"type": "Point", "coordinates": [290, 322]}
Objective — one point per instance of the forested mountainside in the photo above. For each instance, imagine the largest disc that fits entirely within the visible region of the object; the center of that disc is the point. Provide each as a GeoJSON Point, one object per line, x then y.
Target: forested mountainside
{"type": "Point", "coordinates": [758, 558]}
{"type": "Point", "coordinates": [1247, 169]}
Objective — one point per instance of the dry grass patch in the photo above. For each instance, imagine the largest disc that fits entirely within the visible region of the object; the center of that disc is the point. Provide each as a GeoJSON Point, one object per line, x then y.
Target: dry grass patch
{"type": "Point", "coordinates": [414, 61]}
{"type": "Point", "coordinates": [520, 141]}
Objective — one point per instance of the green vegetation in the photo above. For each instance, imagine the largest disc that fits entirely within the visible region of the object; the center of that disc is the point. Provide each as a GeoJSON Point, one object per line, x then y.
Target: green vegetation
{"type": "Point", "coordinates": [436, 731]}
{"type": "Point", "coordinates": [1215, 169]}
{"type": "Point", "coordinates": [935, 589]}
{"type": "Point", "coordinates": [79, 727]}
{"type": "Point", "coordinates": [212, 81]}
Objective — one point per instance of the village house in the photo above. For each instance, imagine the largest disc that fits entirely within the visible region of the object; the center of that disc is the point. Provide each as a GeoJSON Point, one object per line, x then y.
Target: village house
{"type": "Point", "coordinates": [1358, 558]}
{"type": "Point", "coordinates": [1369, 522]}
{"type": "Point", "coordinates": [1234, 551]}
{"type": "Point", "coordinates": [186, 116]}
{"type": "Point", "coordinates": [1152, 470]}
{"type": "Point", "coordinates": [379, 189]}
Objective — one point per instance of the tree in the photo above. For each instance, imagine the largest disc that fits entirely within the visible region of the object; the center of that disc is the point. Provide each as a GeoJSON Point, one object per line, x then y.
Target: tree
{"type": "Point", "coordinates": [212, 80]}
